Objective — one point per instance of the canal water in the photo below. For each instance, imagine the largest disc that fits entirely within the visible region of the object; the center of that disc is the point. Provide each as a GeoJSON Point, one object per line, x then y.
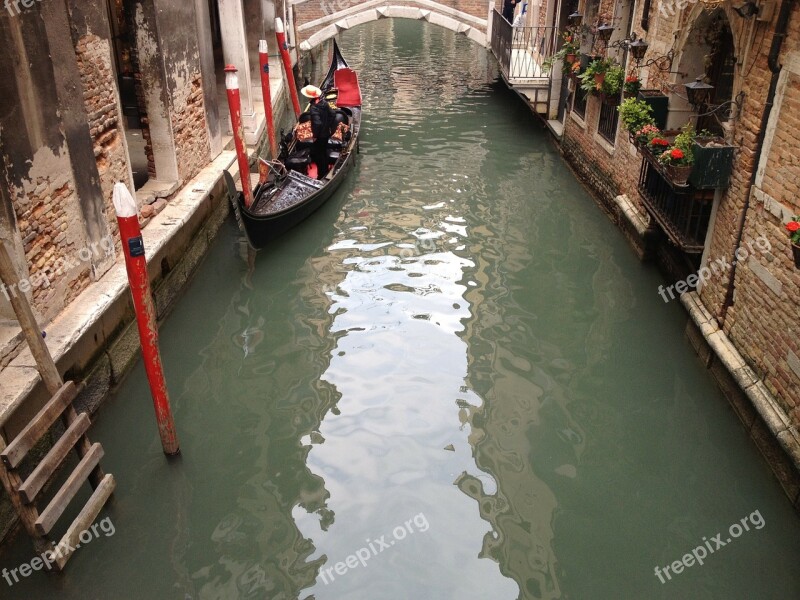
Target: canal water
{"type": "Point", "coordinates": [455, 381]}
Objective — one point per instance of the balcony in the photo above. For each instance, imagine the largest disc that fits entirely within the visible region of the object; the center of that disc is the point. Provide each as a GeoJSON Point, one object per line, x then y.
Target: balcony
{"type": "Point", "coordinates": [682, 211]}
{"type": "Point", "coordinates": [521, 51]}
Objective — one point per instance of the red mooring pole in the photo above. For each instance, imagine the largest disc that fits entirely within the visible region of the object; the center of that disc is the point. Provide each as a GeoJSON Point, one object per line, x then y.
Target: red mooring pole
{"type": "Point", "coordinates": [263, 55]}
{"type": "Point", "coordinates": [287, 64]}
{"type": "Point", "coordinates": [235, 104]}
{"type": "Point", "coordinates": [136, 263]}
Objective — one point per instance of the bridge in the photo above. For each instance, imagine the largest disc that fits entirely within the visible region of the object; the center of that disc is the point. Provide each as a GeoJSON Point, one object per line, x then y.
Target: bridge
{"type": "Point", "coordinates": [520, 51]}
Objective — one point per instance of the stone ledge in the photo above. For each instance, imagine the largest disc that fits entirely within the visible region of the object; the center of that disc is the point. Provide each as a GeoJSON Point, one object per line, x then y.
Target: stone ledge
{"type": "Point", "coordinates": [771, 413]}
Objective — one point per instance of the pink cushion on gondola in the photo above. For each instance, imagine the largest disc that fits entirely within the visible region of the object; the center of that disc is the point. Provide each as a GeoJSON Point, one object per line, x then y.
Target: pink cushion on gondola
{"type": "Point", "coordinates": [346, 81]}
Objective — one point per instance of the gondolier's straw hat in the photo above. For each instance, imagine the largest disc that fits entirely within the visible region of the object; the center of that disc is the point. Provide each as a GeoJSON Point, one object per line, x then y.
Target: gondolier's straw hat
{"type": "Point", "coordinates": [311, 91]}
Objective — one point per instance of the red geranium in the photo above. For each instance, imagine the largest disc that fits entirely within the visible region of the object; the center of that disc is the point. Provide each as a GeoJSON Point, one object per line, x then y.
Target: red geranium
{"type": "Point", "coordinates": [631, 79]}
{"type": "Point", "coordinates": [676, 153]}
{"type": "Point", "coordinates": [659, 142]}
{"type": "Point", "coordinates": [793, 226]}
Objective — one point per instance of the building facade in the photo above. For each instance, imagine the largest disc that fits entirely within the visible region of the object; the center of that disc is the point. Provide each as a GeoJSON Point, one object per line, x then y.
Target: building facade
{"type": "Point", "coordinates": [723, 241]}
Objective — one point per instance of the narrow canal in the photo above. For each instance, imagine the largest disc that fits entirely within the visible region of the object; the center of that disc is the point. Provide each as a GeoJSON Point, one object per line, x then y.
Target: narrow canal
{"type": "Point", "coordinates": [454, 382]}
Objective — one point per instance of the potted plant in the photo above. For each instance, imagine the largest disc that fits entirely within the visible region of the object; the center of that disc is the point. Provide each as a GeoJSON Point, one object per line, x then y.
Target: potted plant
{"type": "Point", "coordinates": [713, 161]}
{"type": "Point", "coordinates": [567, 53]}
{"type": "Point", "coordinates": [643, 136]}
{"type": "Point", "coordinates": [659, 103]}
{"type": "Point", "coordinates": [679, 158]}
{"type": "Point", "coordinates": [592, 77]}
{"type": "Point", "coordinates": [657, 145]}
{"type": "Point", "coordinates": [632, 86]}
{"type": "Point", "coordinates": [634, 115]}
{"type": "Point", "coordinates": [612, 83]}
{"type": "Point", "coordinates": [793, 227]}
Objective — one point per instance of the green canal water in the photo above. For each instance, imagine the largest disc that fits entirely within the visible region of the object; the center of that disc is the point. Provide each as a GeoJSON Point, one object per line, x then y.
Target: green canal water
{"type": "Point", "coordinates": [455, 381]}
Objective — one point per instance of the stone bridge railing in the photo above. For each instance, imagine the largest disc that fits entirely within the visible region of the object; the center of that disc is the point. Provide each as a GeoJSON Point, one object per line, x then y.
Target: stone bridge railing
{"type": "Point", "coordinates": [318, 20]}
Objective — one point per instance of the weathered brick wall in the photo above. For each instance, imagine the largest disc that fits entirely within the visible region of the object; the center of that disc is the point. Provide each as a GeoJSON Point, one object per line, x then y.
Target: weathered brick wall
{"type": "Point", "coordinates": [311, 10]}
{"type": "Point", "coordinates": [46, 209]}
{"type": "Point", "coordinates": [763, 321]}
{"type": "Point", "coordinates": [607, 174]}
{"type": "Point", "coordinates": [102, 108]}
{"type": "Point", "coordinates": [192, 146]}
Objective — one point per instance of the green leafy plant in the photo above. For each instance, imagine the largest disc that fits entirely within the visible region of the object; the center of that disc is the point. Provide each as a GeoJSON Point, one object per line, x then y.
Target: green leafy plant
{"type": "Point", "coordinates": [571, 46]}
{"type": "Point", "coordinates": [612, 84]}
{"type": "Point", "coordinates": [793, 227]}
{"type": "Point", "coordinates": [647, 133]}
{"type": "Point", "coordinates": [635, 114]}
{"type": "Point", "coordinates": [598, 66]}
{"type": "Point", "coordinates": [684, 142]}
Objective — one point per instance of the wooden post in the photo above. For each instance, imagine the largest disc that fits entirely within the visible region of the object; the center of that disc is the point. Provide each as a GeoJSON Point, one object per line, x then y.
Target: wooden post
{"type": "Point", "coordinates": [280, 35]}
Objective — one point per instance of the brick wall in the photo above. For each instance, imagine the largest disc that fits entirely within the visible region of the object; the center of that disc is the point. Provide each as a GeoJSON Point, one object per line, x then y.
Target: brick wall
{"type": "Point", "coordinates": [764, 321]}
{"type": "Point", "coordinates": [102, 108]}
{"type": "Point", "coordinates": [192, 146]}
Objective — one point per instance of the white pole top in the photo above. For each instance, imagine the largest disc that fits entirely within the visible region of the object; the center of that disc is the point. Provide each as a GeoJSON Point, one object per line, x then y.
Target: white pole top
{"type": "Point", "coordinates": [124, 204]}
{"type": "Point", "coordinates": [262, 47]}
{"type": "Point", "coordinates": [231, 78]}
{"type": "Point", "coordinates": [279, 25]}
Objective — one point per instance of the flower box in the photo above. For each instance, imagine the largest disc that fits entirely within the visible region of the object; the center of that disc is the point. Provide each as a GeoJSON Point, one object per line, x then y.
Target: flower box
{"type": "Point", "coordinates": [659, 103]}
{"type": "Point", "coordinates": [713, 162]}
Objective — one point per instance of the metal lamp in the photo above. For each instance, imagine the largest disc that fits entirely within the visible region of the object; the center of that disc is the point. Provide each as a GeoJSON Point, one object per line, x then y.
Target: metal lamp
{"type": "Point", "coordinates": [698, 92]}
{"type": "Point", "coordinates": [575, 18]}
{"type": "Point", "coordinates": [638, 48]}
{"type": "Point", "coordinates": [604, 31]}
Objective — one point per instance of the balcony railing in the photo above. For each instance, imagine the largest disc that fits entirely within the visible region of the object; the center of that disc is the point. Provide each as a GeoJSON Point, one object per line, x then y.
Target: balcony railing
{"type": "Point", "coordinates": [522, 50]}
{"type": "Point", "coordinates": [682, 211]}
{"type": "Point", "coordinates": [609, 116]}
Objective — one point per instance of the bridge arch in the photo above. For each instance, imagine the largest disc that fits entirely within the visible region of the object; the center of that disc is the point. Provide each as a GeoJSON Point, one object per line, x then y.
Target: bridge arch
{"type": "Point", "coordinates": [316, 21]}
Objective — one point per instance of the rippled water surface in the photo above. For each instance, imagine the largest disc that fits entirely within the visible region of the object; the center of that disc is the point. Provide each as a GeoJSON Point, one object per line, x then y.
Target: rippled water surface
{"type": "Point", "coordinates": [455, 381]}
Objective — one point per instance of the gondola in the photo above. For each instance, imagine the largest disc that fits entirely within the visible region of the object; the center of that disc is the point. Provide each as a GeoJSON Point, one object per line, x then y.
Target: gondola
{"type": "Point", "coordinates": [292, 192]}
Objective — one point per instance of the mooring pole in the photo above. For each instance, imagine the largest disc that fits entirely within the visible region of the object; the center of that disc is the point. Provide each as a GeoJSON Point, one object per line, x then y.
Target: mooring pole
{"type": "Point", "coordinates": [235, 105]}
{"type": "Point", "coordinates": [136, 264]}
{"type": "Point", "coordinates": [280, 33]}
{"type": "Point", "coordinates": [263, 55]}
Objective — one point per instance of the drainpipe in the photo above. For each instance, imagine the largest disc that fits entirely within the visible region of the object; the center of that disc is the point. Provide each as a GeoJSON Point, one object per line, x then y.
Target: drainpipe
{"type": "Point", "coordinates": [646, 15]}
{"type": "Point", "coordinates": [775, 68]}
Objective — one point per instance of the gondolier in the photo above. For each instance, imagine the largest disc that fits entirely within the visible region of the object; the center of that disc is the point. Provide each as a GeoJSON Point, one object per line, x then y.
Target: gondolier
{"type": "Point", "coordinates": [323, 121]}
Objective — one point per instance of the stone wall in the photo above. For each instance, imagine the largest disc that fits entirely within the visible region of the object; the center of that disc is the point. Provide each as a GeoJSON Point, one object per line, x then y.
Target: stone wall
{"type": "Point", "coordinates": [763, 320]}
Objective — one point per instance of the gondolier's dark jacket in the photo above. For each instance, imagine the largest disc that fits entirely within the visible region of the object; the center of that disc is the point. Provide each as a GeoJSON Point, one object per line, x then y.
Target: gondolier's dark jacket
{"type": "Point", "coordinates": [323, 120]}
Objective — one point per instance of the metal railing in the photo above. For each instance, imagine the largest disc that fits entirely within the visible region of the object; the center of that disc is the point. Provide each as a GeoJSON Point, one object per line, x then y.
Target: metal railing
{"type": "Point", "coordinates": [682, 211]}
{"type": "Point", "coordinates": [609, 117]}
{"type": "Point", "coordinates": [522, 50]}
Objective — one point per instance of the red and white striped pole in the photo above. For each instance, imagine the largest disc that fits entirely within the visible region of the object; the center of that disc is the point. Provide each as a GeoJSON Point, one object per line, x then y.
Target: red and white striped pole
{"type": "Point", "coordinates": [263, 55]}
{"type": "Point", "coordinates": [280, 33]}
{"type": "Point", "coordinates": [136, 264]}
{"type": "Point", "coordinates": [235, 105]}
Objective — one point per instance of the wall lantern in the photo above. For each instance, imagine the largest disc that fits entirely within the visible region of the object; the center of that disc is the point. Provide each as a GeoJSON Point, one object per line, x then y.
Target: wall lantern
{"type": "Point", "coordinates": [638, 49]}
{"type": "Point", "coordinates": [698, 92]}
{"type": "Point", "coordinates": [575, 18]}
{"type": "Point", "coordinates": [604, 31]}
